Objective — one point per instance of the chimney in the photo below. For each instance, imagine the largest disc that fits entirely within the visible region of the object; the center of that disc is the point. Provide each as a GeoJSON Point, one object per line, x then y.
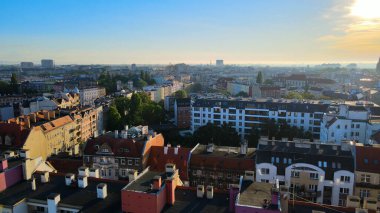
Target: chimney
{"type": "Point", "coordinates": [82, 182]}
{"type": "Point", "coordinates": [27, 169]}
{"type": "Point", "coordinates": [157, 182]}
{"type": "Point", "coordinates": [45, 177]}
{"type": "Point", "coordinates": [27, 122]}
{"type": "Point", "coordinates": [46, 115]}
{"type": "Point", "coordinates": [9, 154]}
{"type": "Point", "coordinates": [132, 175]}
{"type": "Point", "coordinates": [200, 191]}
{"type": "Point", "coordinates": [244, 147]}
{"type": "Point", "coordinates": [166, 150]}
{"type": "Point", "coordinates": [52, 201]}
{"type": "Point", "coordinates": [94, 173]}
{"type": "Point", "coordinates": [170, 168]}
{"type": "Point", "coordinates": [126, 127]}
{"type": "Point", "coordinates": [33, 184]}
{"type": "Point", "coordinates": [116, 133]}
{"type": "Point", "coordinates": [101, 190]}
{"type": "Point", "coordinates": [52, 114]}
{"type": "Point", "coordinates": [24, 153]}
{"type": "Point", "coordinates": [83, 171]}
{"type": "Point", "coordinates": [210, 192]}
{"type": "Point", "coordinates": [176, 150]}
{"type": "Point", "coordinates": [33, 117]}
{"type": "Point", "coordinates": [249, 175]}
{"type": "Point", "coordinates": [4, 164]}
{"type": "Point", "coordinates": [69, 178]}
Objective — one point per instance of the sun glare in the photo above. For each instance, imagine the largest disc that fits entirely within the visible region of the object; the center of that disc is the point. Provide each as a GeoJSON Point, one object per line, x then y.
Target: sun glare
{"type": "Point", "coordinates": [366, 9]}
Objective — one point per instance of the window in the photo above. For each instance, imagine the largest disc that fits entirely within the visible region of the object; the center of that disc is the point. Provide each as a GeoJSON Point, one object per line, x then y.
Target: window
{"type": "Point", "coordinates": [365, 160]}
{"type": "Point", "coordinates": [264, 181]}
{"type": "Point", "coordinates": [345, 126]}
{"type": "Point", "coordinates": [338, 127]}
{"type": "Point", "coordinates": [376, 162]}
{"type": "Point", "coordinates": [339, 165]}
{"type": "Point", "coordinates": [312, 187]}
{"type": "Point", "coordinates": [364, 193]}
{"type": "Point", "coordinates": [319, 163]}
{"type": "Point", "coordinates": [264, 171]}
{"type": "Point", "coordinates": [314, 176]}
{"type": "Point", "coordinates": [277, 160]}
{"type": "Point", "coordinates": [344, 190]}
{"type": "Point", "coordinates": [365, 178]}
{"type": "Point", "coordinates": [40, 209]}
{"type": "Point", "coordinates": [333, 165]}
{"type": "Point", "coordinates": [345, 179]}
{"type": "Point", "coordinates": [116, 161]}
{"type": "Point", "coordinates": [332, 134]}
{"type": "Point", "coordinates": [295, 174]}
{"type": "Point", "coordinates": [122, 161]}
{"type": "Point", "coordinates": [357, 126]}
{"type": "Point", "coordinates": [129, 162]}
{"type": "Point", "coordinates": [137, 162]}
{"type": "Point", "coordinates": [272, 160]}
{"type": "Point", "coordinates": [342, 202]}
{"type": "Point", "coordinates": [104, 150]}
{"type": "Point", "coordinates": [290, 161]}
{"type": "Point", "coordinates": [325, 164]}
{"type": "Point", "coordinates": [285, 160]}
{"type": "Point", "coordinates": [109, 172]}
{"type": "Point", "coordinates": [352, 125]}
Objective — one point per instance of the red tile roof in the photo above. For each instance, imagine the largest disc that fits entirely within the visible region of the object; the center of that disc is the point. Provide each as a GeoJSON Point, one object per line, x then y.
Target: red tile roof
{"type": "Point", "coordinates": [118, 146]}
{"type": "Point", "coordinates": [158, 159]}
{"type": "Point", "coordinates": [368, 159]}
{"type": "Point", "coordinates": [15, 131]}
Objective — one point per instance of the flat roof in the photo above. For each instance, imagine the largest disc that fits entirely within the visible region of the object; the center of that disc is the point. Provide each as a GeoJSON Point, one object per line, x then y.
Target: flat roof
{"type": "Point", "coordinates": [143, 183]}
{"type": "Point", "coordinates": [254, 193]}
{"type": "Point", "coordinates": [223, 151]}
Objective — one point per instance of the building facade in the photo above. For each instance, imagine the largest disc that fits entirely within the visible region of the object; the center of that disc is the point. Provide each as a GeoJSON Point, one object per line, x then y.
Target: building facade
{"type": "Point", "coordinates": [182, 112]}
{"type": "Point", "coordinates": [89, 95]}
{"type": "Point", "coordinates": [321, 173]}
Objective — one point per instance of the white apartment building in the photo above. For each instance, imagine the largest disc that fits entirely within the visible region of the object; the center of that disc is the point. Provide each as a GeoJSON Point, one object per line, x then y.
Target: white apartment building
{"type": "Point", "coordinates": [89, 95]}
{"type": "Point", "coordinates": [321, 173]}
{"type": "Point", "coordinates": [243, 114]}
{"type": "Point", "coordinates": [350, 121]}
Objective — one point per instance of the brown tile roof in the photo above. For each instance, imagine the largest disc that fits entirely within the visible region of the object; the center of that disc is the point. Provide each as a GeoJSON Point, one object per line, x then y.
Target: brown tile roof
{"type": "Point", "coordinates": [135, 147]}
{"type": "Point", "coordinates": [15, 131]}
{"type": "Point", "coordinates": [56, 123]}
{"type": "Point", "coordinates": [368, 159]}
{"type": "Point", "coordinates": [158, 159]}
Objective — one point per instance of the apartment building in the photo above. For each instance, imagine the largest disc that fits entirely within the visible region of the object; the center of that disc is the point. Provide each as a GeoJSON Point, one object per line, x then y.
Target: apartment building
{"type": "Point", "coordinates": [116, 154]}
{"type": "Point", "coordinates": [367, 173]}
{"type": "Point", "coordinates": [243, 114]}
{"type": "Point", "coordinates": [182, 112]}
{"type": "Point", "coordinates": [321, 173]}
{"type": "Point", "coordinates": [220, 166]}
{"type": "Point", "coordinates": [356, 121]}
{"type": "Point", "coordinates": [89, 95]}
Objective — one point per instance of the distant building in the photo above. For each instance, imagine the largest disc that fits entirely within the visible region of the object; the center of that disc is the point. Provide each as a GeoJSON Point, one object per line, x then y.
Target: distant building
{"type": "Point", "coordinates": [26, 65]}
{"type": "Point", "coordinates": [6, 112]}
{"type": "Point", "coordinates": [182, 112]}
{"type": "Point", "coordinates": [89, 95]}
{"type": "Point", "coordinates": [219, 62]}
{"type": "Point", "coordinates": [47, 63]}
{"type": "Point", "coordinates": [378, 66]}
{"type": "Point", "coordinates": [133, 67]}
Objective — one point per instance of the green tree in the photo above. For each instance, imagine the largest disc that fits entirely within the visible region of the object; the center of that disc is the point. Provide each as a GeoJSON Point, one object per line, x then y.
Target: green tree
{"type": "Point", "coordinates": [114, 118]}
{"type": "Point", "coordinates": [180, 94]}
{"type": "Point", "coordinates": [259, 78]}
{"type": "Point", "coordinates": [223, 135]}
{"type": "Point", "coordinates": [14, 83]}
{"type": "Point", "coordinates": [253, 138]}
{"type": "Point", "coordinates": [242, 94]}
{"type": "Point", "coordinates": [194, 88]}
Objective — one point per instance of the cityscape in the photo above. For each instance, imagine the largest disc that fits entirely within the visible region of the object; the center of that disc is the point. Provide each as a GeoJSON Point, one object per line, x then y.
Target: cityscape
{"type": "Point", "coordinates": [190, 106]}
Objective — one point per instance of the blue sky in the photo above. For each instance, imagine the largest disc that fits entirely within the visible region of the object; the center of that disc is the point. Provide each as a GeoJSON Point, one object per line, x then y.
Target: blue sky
{"type": "Point", "coordinates": [172, 31]}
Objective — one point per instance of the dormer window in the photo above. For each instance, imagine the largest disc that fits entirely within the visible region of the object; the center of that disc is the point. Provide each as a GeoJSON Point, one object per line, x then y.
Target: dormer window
{"type": "Point", "coordinates": [104, 150]}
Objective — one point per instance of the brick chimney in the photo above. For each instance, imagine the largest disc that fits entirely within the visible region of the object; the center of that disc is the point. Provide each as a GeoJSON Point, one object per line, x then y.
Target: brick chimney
{"type": "Point", "coordinates": [157, 182]}
{"type": "Point", "coordinates": [46, 115]}
{"type": "Point", "coordinates": [52, 114]}
{"type": "Point", "coordinates": [4, 164]}
{"type": "Point", "coordinates": [33, 117]}
{"type": "Point", "coordinates": [170, 190]}
{"type": "Point", "coordinates": [27, 121]}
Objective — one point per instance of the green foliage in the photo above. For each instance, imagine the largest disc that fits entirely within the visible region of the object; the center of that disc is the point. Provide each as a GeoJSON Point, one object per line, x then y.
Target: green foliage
{"type": "Point", "coordinates": [268, 82]}
{"type": "Point", "coordinates": [224, 135]}
{"type": "Point", "coordinates": [259, 78]}
{"type": "Point", "coordinates": [242, 94]}
{"type": "Point", "coordinates": [114, 118]}
{"type": "Point", "coordinates": [253, 138]}
{"type": "Point", "coordinates": [5, 88]}
{"type": "Point", "coordinates": [194, 88]}
{"type": "Point", "coordinates": [139, 110]}
{"type": "Point", "coordinates": [14, 83]}
{"type": "Point", "coordinates": [180, 94]}
{"type": "Point", "coordinates": [299, 96]}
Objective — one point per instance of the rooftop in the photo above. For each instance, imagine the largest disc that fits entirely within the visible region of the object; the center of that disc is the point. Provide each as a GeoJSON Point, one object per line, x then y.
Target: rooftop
{"type": "Point", "coordinates": [186, 200]}
{"type": "Point", "coordinates": [255, 193]}
{"type": "Point", "coordinates": [144, 182]}
{"type": "Point", "coordinates": [85, 199]}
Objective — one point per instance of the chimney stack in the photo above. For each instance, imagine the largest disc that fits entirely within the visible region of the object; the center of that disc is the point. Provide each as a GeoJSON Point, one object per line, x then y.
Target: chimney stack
{"type": "Point", "coordinates": [82, 182]}
{"type": "Point", "coordinates": [69, 178]}
{"type": "Point", "coordinates": [45, 177]}
{"type": "Point", "coordinates": [200, 191]}
{"type": "Point", "coordinates": [83, 171]}
{"type": "Point", "coordinates": [46, 115]}
{"type": "Point", "coordinates": [52, 200]}
{"type": "Point", "coordinates": [244, 147]}
{"type": "Point", "coordinates": [33, 184]}
{"type": "Point", "coordinates": [94, 173]}
{"type": "Point", "coordinates": [157, 182]}
{"type": "Point", "coordinates": [33, 117]}
{"type": "Point", "coordinates": [101, 190]}
{"type": "Point", "coordinates": [116, 133]}
{"type": "Point", "coordinates": [210, 192]}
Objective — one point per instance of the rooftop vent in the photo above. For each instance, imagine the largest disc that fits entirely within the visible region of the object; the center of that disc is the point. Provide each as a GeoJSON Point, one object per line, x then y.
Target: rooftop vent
{"type": "Point", "coordinates": [101, 190]}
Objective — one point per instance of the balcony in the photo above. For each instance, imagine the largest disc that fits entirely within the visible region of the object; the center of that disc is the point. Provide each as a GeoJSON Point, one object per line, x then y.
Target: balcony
{"type": "Point", "coordinates": [343, 196]}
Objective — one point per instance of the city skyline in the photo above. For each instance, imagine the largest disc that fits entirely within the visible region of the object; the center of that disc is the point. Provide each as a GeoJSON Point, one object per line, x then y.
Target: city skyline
{"type": "Point", "coordinates": [242, 32]}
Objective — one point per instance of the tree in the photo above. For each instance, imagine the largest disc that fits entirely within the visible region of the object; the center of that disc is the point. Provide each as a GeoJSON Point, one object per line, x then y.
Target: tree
{"type": "Point", "coordinates": [223, 135]}
{"type": "Point", "coordinates": [259, 78]}
{"type": "Point", "coordinates": [194, 88]}
{"type": "Point", "coordinates": [14, 83]}
{"type": "Point", "coordinates": [253, 137]}
{"type": "Point", "coordinates": [114, 118]}
{"type": "Point", "coordinates": [242, 94]}
{"type": "Point", "coordinates": [180, 94]}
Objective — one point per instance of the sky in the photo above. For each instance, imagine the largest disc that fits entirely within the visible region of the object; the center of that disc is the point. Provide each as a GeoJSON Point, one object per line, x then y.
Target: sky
{"type": "Point", "coordinates": [190, 31]}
